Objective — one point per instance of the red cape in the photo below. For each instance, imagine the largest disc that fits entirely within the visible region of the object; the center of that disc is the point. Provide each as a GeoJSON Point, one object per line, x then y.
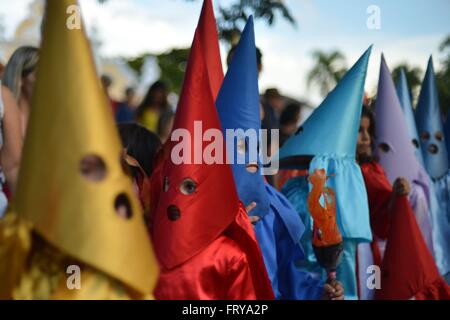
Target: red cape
{"type": "Point", "coordinates": [408, 269]}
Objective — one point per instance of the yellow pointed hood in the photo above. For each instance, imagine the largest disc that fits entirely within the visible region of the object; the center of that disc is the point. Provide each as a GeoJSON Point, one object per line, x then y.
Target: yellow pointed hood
{"type": "Point", "coordinates": [71, 120]}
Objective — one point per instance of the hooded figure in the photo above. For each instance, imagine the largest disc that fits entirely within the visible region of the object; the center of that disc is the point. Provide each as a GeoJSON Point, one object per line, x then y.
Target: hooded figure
{"type": "Point", "coordinates": [329, 137]}
{"type": "Point", "coordinates": [429, 127]}
{"type": "Point", "coordinates": [434, 150]}
{"type": "Point", "coordinates": [75, 211]}
{"type": "Point", "coordinates": [279, 228]}
{"type": "Point", "coordinates": [404, 95]}
{"type": "Point", "coordinates": [202, 236]}
{"type": "Point", "coordinates": [396, 153]}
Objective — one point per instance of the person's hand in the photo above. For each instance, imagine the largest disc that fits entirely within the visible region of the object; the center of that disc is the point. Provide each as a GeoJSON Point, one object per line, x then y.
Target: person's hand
{"type": "Point", "coordinates": [250, 207]}
{"type": "Point", "coordinates": [333, 291]}
{"type": "Point", "coordinates": [401, 187]}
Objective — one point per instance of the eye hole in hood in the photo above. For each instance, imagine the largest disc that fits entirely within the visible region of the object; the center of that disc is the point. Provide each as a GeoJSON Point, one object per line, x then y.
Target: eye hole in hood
{"type": "Point", "coordinates": [188, 186]}
{"type": "Point", "coordinates": [384, 147]}
{"type": "Point", "coordinates": [433, 149]}
{"type": "Point", "coordinates": [93, 168]}
{"type": "Point", "coordinates": [425, 136]}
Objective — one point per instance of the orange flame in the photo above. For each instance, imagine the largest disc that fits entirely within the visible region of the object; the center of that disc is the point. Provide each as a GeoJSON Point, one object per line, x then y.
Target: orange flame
{"type": "Point", "coordinates": [325, 229]}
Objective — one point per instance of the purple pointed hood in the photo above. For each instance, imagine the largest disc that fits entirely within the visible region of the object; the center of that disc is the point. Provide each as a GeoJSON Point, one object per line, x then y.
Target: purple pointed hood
{"type": "Point", "coordinates": [393, 142]}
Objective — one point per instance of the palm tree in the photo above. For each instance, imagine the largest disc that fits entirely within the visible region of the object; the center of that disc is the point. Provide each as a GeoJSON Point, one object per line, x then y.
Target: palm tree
{"type": "Point", "coordinates": [329, 68]}
{"type": "Point", "coordinates": [413, 77]}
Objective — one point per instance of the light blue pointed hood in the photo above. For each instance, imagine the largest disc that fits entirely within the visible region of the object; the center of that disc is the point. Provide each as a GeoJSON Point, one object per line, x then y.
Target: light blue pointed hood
{"type": "Point", "coordinates": [430, 128]}
{"type": "Point", "coordinates": [404, 96]}
{"type": "Point", "coordinates": [329, 137]}
{"type": "Point", "coordinates": [333, 127]}
{"type": "Point", "coordinates": [239, 108]}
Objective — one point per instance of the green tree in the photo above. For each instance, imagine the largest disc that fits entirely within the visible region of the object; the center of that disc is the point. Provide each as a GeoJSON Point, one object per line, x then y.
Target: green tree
{"type": "Point", "coordinates": [328, 69]}
{"type": "Point", "coordinates": [172, 65]}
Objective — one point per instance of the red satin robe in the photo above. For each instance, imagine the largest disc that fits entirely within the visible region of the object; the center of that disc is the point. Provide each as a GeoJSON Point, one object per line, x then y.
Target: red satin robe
{"type": "Point", "coordinates": [229, 268]}
{"type": "Point", "coordinates": [408, 268]}
{"type": "Point", "coordinates": [220, 272]}
{"type": "Point", "coordinates": [379, 193]}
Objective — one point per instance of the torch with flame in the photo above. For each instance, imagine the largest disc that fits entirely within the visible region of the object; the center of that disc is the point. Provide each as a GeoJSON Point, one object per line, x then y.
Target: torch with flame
{"type": "Point", "coordinates": [327, 240]}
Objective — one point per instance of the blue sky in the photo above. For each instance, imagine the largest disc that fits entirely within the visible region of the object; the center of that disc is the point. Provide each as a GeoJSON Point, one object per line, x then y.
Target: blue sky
{"type": "Point", "coordinates": [410, 31]}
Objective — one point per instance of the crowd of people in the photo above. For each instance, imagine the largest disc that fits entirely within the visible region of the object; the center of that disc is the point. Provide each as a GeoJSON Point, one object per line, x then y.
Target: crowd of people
{"type": "Point", "coordinates": [359, 209]}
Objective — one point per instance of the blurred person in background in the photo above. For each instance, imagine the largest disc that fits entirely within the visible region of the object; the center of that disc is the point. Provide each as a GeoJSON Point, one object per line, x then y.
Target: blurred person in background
{"type": "Point", "coordinates": [126, 109]}
{"type": "Point", "coordinates": [154, 105]}
{"type": "Point", "coordinates": [107, 82]}
{"type": "Point", "coordinates": [273, 104]}
{"type": "Point", "coordinates": [19, 77]}
{"type": "Point", "coordinates": [165, 125]}
{"type": "Point", "coordinates": [289, 121]}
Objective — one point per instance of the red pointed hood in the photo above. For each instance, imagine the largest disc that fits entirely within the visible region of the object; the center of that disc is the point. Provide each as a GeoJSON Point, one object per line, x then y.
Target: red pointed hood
{"type": "Point", "coordinates": [207, 31]}
{"type": "Point", "coordinates": [408, 269]}
{"type": "Point", "coordinates": [198, 201]}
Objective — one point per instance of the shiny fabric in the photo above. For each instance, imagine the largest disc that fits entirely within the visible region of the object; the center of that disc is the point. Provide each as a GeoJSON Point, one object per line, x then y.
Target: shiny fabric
{"type": "Point", "coordinates": [440, 205]}
{"type": "Point", "coordinates": [279, 233]}
{"type": "Point", "coordinates": [381, 210]}
{"type": "Point", "coordinates": [220, 272]}
{"type": "Point", "coordinates": [404, 95]}
{"type": "Point", "coordinates": [34, 270]}
{"type": "Point", "coordinates": [71, 120]}
{"type": "Point", "coordinates": [207, 31]}
{"type": "Point", "coordinates": [202, 236]}
{"type": "Point", "coordinates": [429, 126]}
{"type": "Point", "coordinates": [396, 152]}
{"type": "Point", "coordinates": [332, 129]}
{"type": "Point", "coordinates": [296, 191]}
{"type": "Point", "coordinates": [380, 196]}
{"type": "Point", "coordinates": [329, 136]}
{"type": "Point", "coordinates": [352, 212]}
{"type": "Point", "coordinates": [408, 269]}
{"type": "Point", "coordinates": [394, 148]}
{"type": "Point", "coordinates": [227, 269]}
{"type": "Point", "coordinates": [178, 238]}
{"type": "Point", "coordinates": [239, 110]}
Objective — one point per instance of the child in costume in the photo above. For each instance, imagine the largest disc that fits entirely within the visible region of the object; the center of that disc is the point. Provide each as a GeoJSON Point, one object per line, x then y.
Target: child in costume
{"type": "Point", "coordinates": [202, 236]}
{"type": "Point", "coordinates": [435, 156]}
{"type": "Point", "coordinates": [399, 247]}
{"type": "Point", "coordinates": [78, 210]}
{"type": "Point", "coordinates": [396, 156]}
{"type": "Point", "coordinates": [327, 140]}
{"type": "Point", "coordinates": [278, 227]}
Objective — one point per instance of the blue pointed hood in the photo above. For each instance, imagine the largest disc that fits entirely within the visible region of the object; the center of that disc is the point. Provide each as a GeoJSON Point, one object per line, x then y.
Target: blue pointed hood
{"type": "Point", "coordinates": [404, 96]}
{"type": "Point", "coordinates": [333, 126]}
{"type": "Point", "coordinates": [329, 137]}
{"type": "Point", "coordinates": [429, 126]}
{"type": "Point", "coordinates": [239, 108]}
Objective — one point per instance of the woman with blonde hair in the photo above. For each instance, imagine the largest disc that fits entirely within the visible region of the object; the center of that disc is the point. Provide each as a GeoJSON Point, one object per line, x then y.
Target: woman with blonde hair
{"type": "Point", "coordinates": [19, 77]}
{"type": "Point", "coordinates": [16, 89]}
